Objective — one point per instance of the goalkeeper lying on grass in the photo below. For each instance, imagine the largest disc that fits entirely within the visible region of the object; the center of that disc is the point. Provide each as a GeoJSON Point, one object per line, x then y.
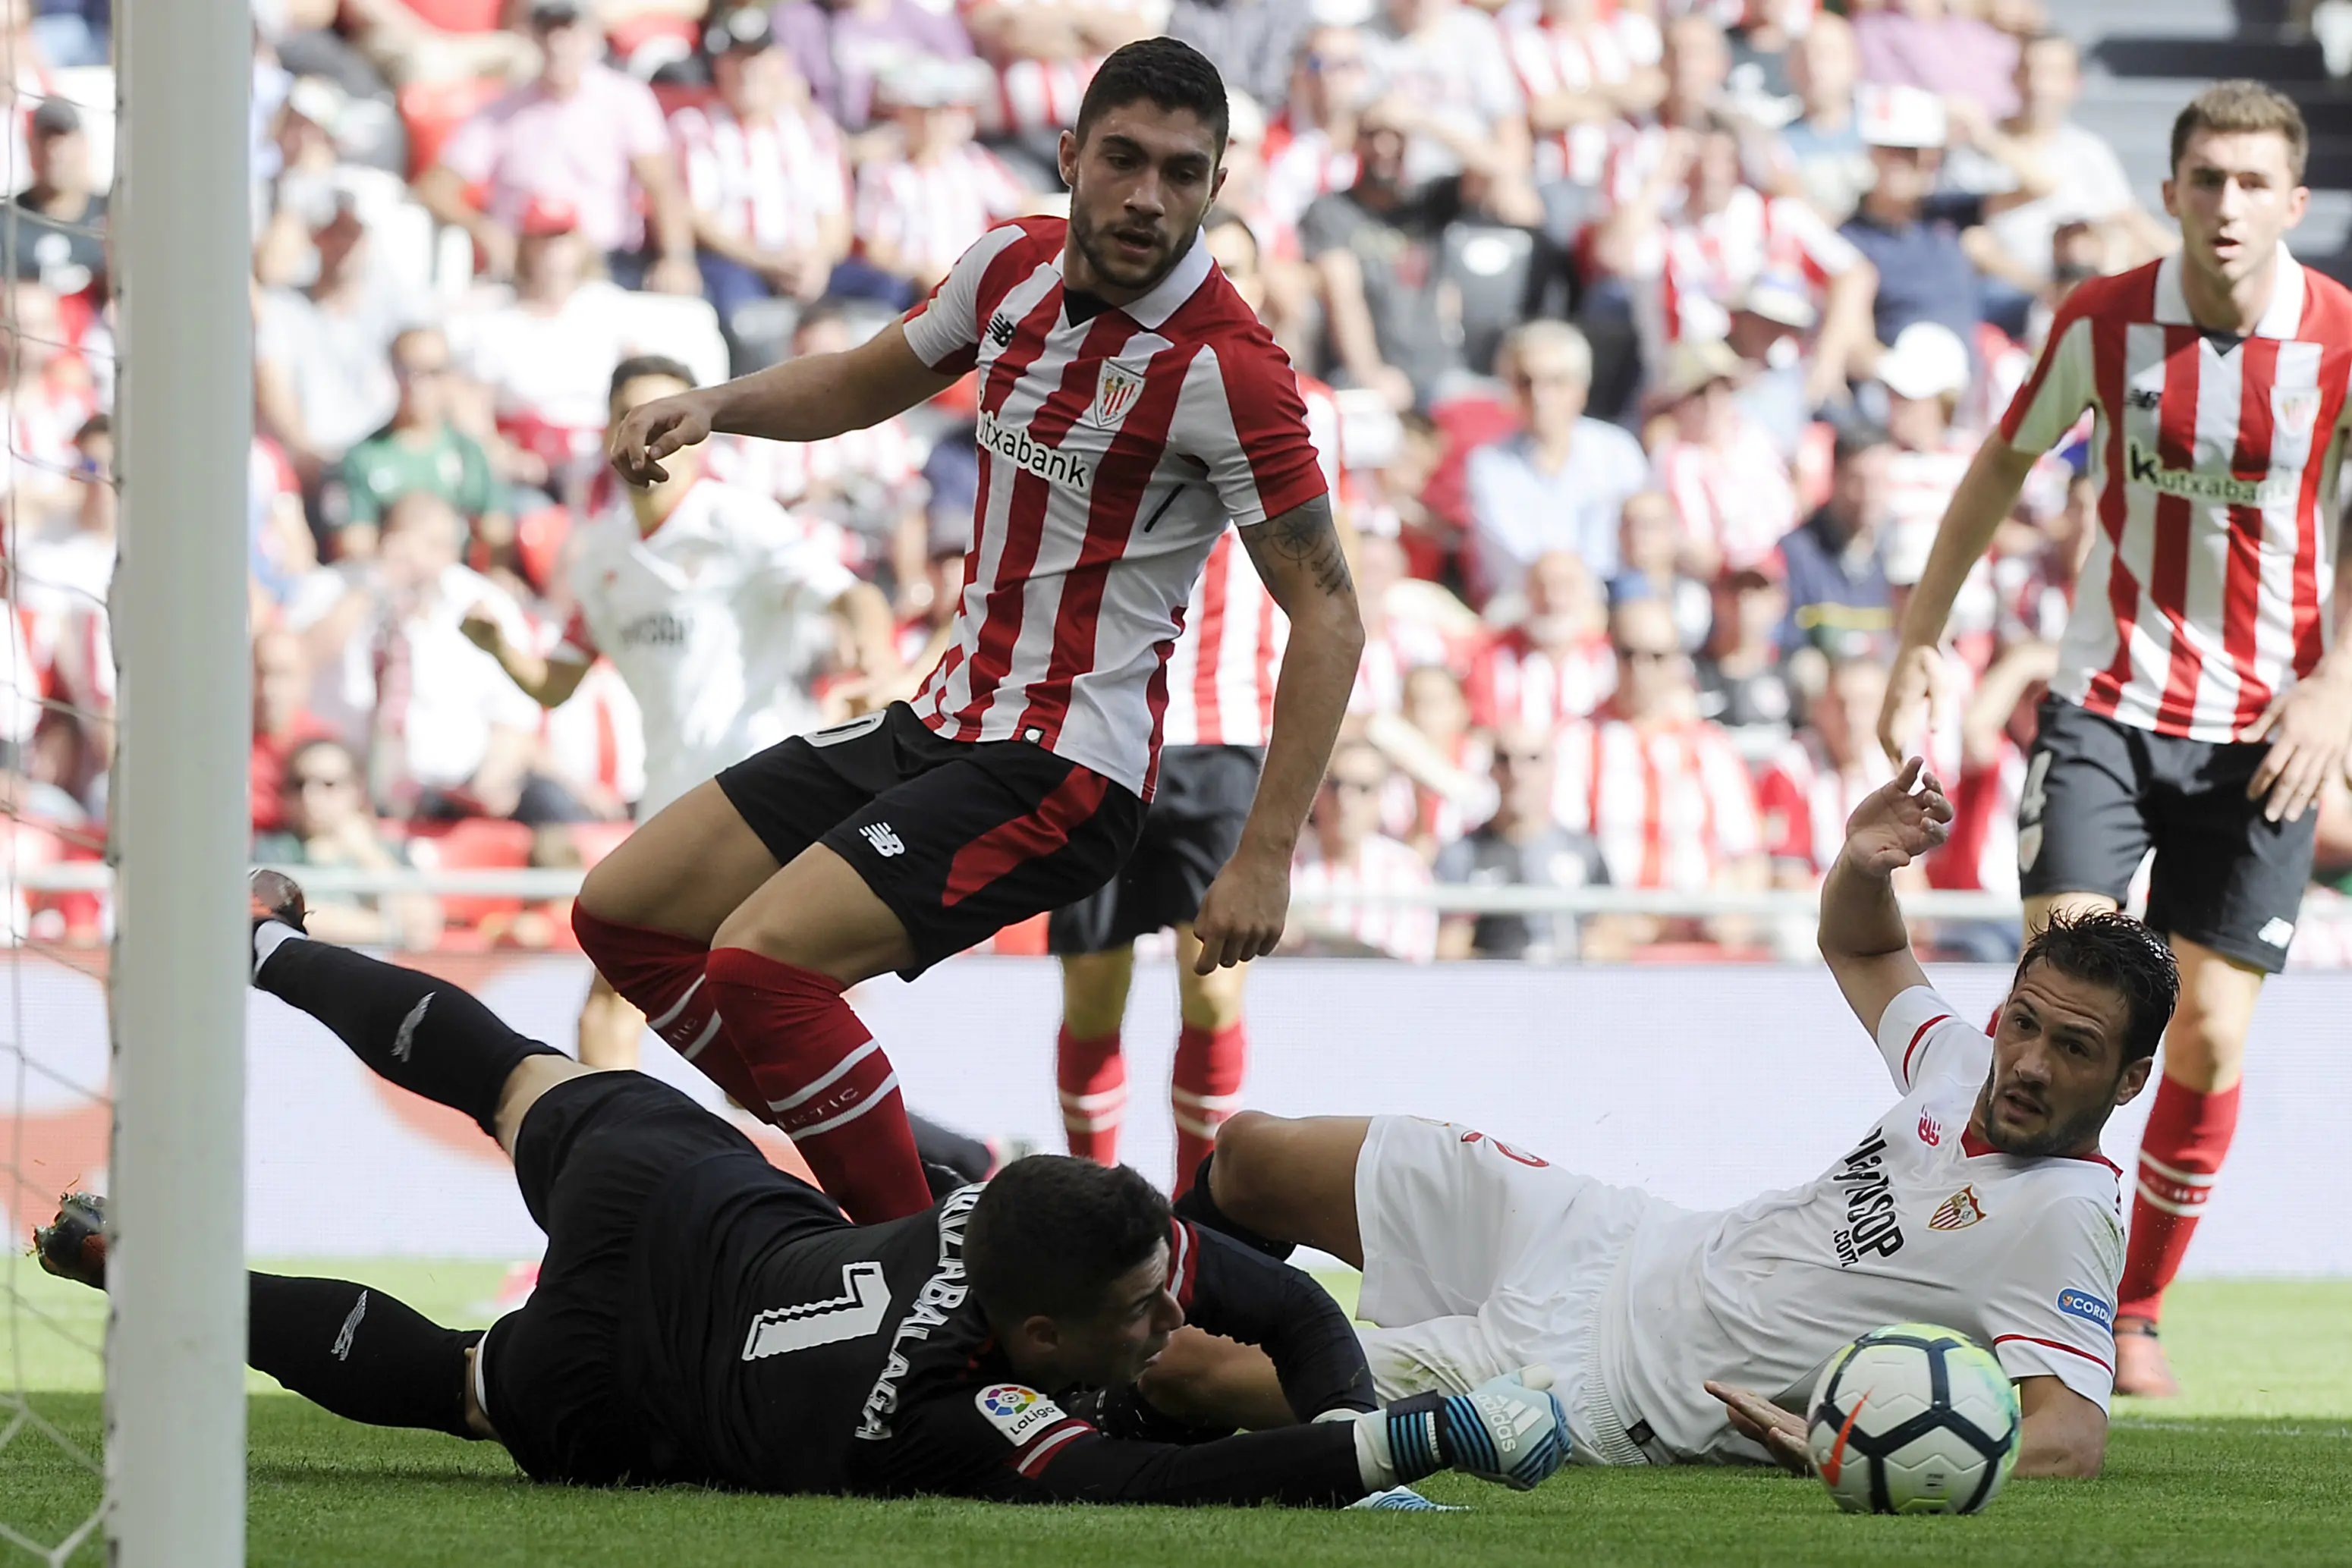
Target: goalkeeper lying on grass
{"type": "Point", "coordinates": [702, 1317]}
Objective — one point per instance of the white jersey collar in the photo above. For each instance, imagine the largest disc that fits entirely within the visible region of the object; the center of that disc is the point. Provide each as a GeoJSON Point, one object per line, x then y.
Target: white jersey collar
{"type": "Point", "coordinates": [2282, 317]}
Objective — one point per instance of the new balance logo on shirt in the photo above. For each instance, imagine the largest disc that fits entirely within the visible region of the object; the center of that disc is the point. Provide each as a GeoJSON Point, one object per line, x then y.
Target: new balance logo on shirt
{"type": "Point", "coordinates": [1000, 329]}
{"type": "Point", "coordinates": [885, 843]}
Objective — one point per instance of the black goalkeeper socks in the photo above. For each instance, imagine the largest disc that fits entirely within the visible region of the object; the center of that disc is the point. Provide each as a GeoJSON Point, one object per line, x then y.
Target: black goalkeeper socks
{"type": "Point", "coordinates": [1198, 1205]}
{"type": "Point", "coordinates": [359, 1353]}
{"type": "Point", "coordinates": [426, 1035]}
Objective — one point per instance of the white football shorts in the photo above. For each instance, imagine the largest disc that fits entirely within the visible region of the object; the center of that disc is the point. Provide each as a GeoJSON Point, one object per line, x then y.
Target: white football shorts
{"type": "Point", "coordinates": [1481, 1259]}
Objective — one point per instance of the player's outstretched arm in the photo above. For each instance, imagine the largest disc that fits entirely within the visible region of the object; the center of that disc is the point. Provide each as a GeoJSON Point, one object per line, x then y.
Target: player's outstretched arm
{"type": "Point", "coordinates": [807, 399]}
{"type": "Point", "coordinates": [546, 679]}
{"type": "Point", "coordinates": [1862, 937]}
{"type": "Point", "coordinates": [1985, 496]}
{"type": "Point", "coordinates": [1298, 555]}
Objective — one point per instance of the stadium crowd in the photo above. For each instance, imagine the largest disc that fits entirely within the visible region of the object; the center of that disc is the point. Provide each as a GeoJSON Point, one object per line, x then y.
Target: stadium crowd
{"type": "Point", "coordinates": [1660, 335]}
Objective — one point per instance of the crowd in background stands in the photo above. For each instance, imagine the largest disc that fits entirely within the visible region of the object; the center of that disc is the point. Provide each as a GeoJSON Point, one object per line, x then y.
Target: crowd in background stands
{"type": "Point", "coordinates": [1661, 331]}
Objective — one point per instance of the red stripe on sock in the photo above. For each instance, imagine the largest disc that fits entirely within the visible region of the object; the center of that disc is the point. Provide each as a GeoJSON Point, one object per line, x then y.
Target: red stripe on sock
{"type": "Point", "coordinates": [1089, 1069]}
{"type": "Point", "coordinates": [1208, 1066]}
{"type": "Point", "coordinates": [1009, 845]}
{"type": "Point", "coordinates": [804, 1045]}
{"type": "Point", "coordinates": [2190, 1133]}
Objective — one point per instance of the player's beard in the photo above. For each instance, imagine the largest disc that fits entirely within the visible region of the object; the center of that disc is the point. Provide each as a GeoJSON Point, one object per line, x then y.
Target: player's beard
{"type": "Point", "coordinates": [2072, 1135]}
{"type": "Point", "coordinates": [1094, 244]}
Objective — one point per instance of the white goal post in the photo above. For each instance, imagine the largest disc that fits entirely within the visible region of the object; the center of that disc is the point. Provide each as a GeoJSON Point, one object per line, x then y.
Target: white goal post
{"type": "Point", "coordinates": [175, 1338]}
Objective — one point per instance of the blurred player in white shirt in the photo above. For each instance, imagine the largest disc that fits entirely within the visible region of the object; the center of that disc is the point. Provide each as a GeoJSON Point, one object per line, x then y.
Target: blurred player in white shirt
{"type": "Point", "coordinates": [1980, 1201]}
{"type": "Point", "coordinates": [719, 612]}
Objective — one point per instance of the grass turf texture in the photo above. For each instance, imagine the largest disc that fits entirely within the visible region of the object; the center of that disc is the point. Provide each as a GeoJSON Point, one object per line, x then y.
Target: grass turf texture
{"type": "Point", "coordinates": [2255, 1467]}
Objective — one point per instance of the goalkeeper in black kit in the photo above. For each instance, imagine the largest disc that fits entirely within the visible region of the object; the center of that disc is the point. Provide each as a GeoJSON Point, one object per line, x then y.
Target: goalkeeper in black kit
{"type": "Point", "coordinates": [704, 1318]}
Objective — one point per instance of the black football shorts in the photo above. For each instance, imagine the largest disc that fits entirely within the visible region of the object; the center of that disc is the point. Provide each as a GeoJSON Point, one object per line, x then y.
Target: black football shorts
{"type": "Point", "coordinates": [2099, 795]}
{"type": "Point", "coordinates": [1189, 831]}
{"type": "Point", "coordinates": [959, 838]}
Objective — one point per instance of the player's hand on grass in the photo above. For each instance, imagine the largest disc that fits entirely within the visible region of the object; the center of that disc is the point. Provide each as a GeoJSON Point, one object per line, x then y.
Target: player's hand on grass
{"type": "Point", "coordinates": [652, 430]}
{"type": "Point", "coordinates": [1781, 1433]}
{"type": "Point", "coordinates": [1244, 911]}
{"type": "Point", "coordinates": [1897, 824]}
{"type": "Point", "coordinates": [2308, 726]}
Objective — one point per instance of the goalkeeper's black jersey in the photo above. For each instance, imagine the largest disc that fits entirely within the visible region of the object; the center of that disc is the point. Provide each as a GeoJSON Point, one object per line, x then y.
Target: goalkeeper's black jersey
{"type": "Point", "coordinates": [772, 1345]}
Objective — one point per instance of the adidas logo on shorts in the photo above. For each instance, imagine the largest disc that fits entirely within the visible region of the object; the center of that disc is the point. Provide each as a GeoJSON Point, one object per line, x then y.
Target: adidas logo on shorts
{"type": "Point", "coordinates": [885, 841]}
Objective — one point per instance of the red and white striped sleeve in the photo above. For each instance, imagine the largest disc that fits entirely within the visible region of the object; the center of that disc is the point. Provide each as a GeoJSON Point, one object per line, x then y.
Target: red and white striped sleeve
{"type": "Point", "coordinates": [1239, 412]}
{"type": "Point", "coordinates": [1731, 798]}
{"type": "Point", "coordinates": [944, 330]}
{"type": "Point", "coordinates": [1826, 253]}
{"type": "Point", "coordinates": [2063, 383]}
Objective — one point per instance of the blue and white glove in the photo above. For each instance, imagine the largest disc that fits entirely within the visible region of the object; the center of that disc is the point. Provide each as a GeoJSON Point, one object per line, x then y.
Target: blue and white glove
{"type": "Point", "coordinates": [1511, 1429]}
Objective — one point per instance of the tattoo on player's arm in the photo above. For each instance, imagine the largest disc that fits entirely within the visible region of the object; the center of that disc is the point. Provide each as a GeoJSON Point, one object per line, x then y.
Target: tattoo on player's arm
{"type": "Point", "coordinates": [1302, 539]}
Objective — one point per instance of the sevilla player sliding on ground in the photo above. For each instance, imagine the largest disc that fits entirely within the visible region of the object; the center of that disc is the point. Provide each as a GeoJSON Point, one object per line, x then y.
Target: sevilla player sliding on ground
{"type": "Point", "coordinates": [1130, 407]}
{"type": "Point", "coordinates": [2204, 688]}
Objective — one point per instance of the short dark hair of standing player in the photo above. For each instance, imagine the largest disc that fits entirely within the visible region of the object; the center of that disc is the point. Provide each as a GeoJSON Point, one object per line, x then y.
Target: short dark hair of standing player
{"type": "Point", "coordinates": [2244, 106]}
{"type": "Point", "coordinates": [2118, 952]}
{"type": "Point", "coordinates": [1143, 163]}
{"type": "Point", "coordinates": [648, 367]}
{"type": "Point", "coordinates": [1069, 1259]}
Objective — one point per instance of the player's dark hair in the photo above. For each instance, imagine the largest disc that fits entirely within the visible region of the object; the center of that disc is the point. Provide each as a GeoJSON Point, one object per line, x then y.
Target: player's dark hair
{"type": "Point", "coordinates": [2106, 948]}
{"type": "Point", "coordinates": [1856, 437]}
{"type": "Point", "coordinates": [1168, 72]}
{"type": "Point", "coordinates": [2243, 105]}
{"type": "Point", "coordinates": [638, 366]}
{"type": "Point", "coordinates": [1050, 1233]}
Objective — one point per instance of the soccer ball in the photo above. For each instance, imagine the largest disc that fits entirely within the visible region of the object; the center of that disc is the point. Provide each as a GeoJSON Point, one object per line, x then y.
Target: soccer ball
{"type": "Point", "coordinates": [1912, 1418]}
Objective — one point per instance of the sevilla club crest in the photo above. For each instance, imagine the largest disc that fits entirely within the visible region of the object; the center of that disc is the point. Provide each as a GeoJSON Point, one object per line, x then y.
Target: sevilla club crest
{"type": "Point", "coordinates": [1957, 1212]}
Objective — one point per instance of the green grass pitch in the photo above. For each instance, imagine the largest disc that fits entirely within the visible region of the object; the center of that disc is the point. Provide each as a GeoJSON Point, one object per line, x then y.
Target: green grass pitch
{"type": "Point", "coordinates": [2254, 1467]}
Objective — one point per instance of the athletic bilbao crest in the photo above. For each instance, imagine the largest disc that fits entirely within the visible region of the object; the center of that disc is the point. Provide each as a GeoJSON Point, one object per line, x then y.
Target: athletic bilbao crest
{"type": "Point", "coordinates": [1957, 1212]}
{"type": "Point", "coordinates": [1115, 393]}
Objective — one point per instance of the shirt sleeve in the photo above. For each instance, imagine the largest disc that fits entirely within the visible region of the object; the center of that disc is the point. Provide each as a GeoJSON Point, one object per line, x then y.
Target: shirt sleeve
{"type": "Point", "coordinates": [472, 151]}
{"type": "Point", "coordinates": [2061, 387]}
{"type": "Point", "coordinates": [1228, 1289]}
{"type": "Point", "coordinates": [944, 330]}
{"type": "Point", "coordinates": [1009, 1443]}
{"type": "Point", "coordinates": [1239, 412]}
{"type": "Point", "coordinates": [1923, 1036]}
{"type": "Point", "coordinates": [1827, 253]}
{"type": "Point", "coordinates": [644, 131]}
{"type": "Point", "coordinates": [2051, 1310]}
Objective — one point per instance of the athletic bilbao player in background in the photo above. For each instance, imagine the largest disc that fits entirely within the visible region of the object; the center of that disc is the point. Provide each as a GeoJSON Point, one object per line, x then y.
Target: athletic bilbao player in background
{"type": "Point", "coordinates": [1131, 407]}
{"type": "Point", "coordinates": [706, 1319]}
{"type": "Point", "coordinates": [2204, 688]}
{"type": "Point", "coordinates": [1221, 689]}
{"type": "Point", "coordinates": [1677, 1336]}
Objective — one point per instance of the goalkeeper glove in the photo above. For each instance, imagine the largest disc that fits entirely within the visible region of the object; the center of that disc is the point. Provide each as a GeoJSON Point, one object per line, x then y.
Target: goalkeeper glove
{"type": "Point", "coordinates": [1511, 1430]}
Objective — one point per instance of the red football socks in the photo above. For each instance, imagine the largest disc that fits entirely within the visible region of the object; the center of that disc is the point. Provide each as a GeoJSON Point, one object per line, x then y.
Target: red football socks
{"type": "Point", "coordinates": [1092, 1077]}
{"type": "Point", "coordinates": [823, 1081]}
{"type": "Point", "coordinates": [1205, 1089]}
{"type": "Point", "coordinates": [2187, 1134]}
{"type": "Point", "coordinates": [661, 976]}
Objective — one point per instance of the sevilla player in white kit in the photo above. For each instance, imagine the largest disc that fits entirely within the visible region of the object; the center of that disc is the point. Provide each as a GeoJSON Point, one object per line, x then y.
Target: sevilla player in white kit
{"type": "Point", "coordinates": [1132, 410]}
{"type": "Point", "coordinates": [718, 610]}
{"type": "Point", "coordinates": [2204, 686]}
{"type": "Point", "coordinates": [1675, 1336]}
{"type": "Point", "coordinates": [1221, 685]}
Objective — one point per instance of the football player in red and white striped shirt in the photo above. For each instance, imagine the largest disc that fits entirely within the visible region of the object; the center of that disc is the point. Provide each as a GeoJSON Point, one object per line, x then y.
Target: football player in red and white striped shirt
{"type": "Point", "coordinates": [1132, 409]}
{"type": "Point", "coordinates": [1221, 685]}
{"type": "Point", "coordinates": [2204, 687]}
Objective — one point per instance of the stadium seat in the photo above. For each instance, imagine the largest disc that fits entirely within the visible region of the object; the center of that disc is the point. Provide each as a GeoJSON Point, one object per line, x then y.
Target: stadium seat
{"type": "Point", "coordinates": [595, 840]}
{"type": "Point", "coordinates": [474, 843]}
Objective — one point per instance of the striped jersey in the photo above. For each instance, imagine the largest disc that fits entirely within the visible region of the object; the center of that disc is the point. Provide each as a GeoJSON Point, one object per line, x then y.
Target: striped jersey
{"type": "Point", "coordinates": [1551, 57]}
{"type": "Point", "coordinates": [770, 182]}
{"type": "Point", "coordinates": [1116, 446]}
{"type": "Point", "coordinates": [1222, 674]}
{"type": "Point", "coordinates": [1671, 804]}
{"type": "Point", "coordinates": [2206, 591]}
{"type": "Point", "coordinates": [1513, 681]}
{"type": "Point", "coordinates": [1805, 798]}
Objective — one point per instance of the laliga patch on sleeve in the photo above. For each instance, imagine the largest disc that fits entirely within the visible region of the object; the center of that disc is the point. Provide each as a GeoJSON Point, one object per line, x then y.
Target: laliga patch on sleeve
{"type": "Point", "coordinates": [1017, 1412]}
{"type": "Point", "coordinates": [2082, 1304]}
